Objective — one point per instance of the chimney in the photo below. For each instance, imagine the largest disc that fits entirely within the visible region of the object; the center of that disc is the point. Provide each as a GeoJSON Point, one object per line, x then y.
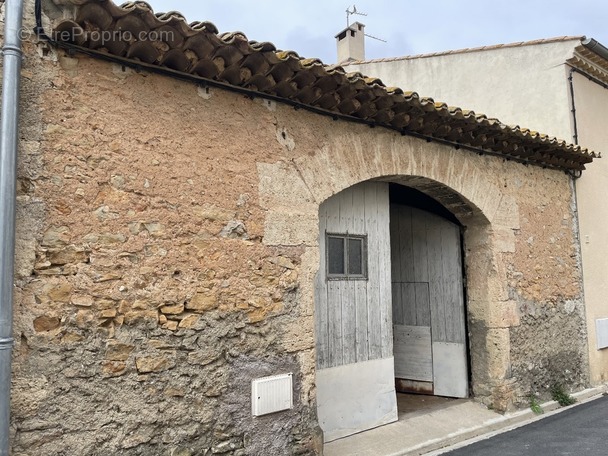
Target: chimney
{"type": "Point", "coordinates": [351, 43]}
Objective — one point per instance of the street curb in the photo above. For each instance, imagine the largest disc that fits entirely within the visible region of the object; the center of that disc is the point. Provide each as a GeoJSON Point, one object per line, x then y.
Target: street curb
{"type": "Point", "coordinates": [497, 425]}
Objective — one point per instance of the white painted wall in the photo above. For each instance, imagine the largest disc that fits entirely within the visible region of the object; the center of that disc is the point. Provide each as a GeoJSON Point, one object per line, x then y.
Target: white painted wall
{"type": "Point", "coordinates": [521, 85]}
{"type": "Point", "coordinates": [591, 101]}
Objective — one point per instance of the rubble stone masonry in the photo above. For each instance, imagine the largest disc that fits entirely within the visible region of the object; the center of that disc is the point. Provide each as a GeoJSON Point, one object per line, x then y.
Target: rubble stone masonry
{"type": "Point", "coordinates": [166, 253]}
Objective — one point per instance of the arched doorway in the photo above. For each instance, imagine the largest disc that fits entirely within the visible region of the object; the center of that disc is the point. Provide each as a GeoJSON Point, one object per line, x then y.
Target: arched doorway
{"type": "Point", "coordinates": [389, 305]}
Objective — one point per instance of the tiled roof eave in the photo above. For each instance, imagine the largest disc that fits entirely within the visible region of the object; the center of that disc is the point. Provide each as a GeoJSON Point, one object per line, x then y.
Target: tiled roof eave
{"type": "Point", "coordinates": [197, 52]}
{"type": "Point", "coordinates": [590, 63]}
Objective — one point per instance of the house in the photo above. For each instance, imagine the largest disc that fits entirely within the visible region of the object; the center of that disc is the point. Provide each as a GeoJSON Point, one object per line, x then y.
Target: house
{"type": "Point", "coordinates": [224, 248]}
{"type": "Point", "coordinates": [558, 86]}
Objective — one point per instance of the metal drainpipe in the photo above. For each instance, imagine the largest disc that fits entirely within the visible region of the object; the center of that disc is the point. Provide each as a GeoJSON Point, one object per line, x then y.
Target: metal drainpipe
{"type": "Point", "coordinates": [596, 47]}
{"type": "Point", "coordinates": [9, 131]}
{"type": "Point", "coordinates": [573, 106]}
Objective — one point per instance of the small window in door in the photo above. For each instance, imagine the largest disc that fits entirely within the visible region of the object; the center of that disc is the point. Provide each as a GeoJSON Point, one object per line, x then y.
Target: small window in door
{"type": "Point", "coordinates": [346, 257]}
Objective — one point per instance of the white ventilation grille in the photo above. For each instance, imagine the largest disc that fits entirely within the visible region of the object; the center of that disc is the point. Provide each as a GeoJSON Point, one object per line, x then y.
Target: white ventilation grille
{"type": "Point", "coordinates": [271, 394]}
{"type": "Point", "coordinates": [601, 327]}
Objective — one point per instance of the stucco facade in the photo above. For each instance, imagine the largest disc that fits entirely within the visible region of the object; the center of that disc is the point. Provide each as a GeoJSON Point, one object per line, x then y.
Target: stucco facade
{"type": "Point", "coordinates": [528, 84]}
{"type": "Point", "coordinates": [591, 101]}
{"type": "Point", "coordinates": [168, 247]}
{"type": "Point", "coordinates": [520, 85]}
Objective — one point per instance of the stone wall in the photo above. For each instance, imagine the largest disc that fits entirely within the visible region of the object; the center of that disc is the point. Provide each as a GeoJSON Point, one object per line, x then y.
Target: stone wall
{"type": "Point", "coordinates": [550, 345]}
{"type": "Point", "coordinates": [167, 246]}
{"type": "Point", "coordinates": [146, 301]}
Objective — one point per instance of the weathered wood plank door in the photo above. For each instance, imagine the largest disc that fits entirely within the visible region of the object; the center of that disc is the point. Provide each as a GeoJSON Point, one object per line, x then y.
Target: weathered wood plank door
{"type": "Point", "coordinates": [353, 323]}
{"type": "Point", "coordinates": [428, 303]}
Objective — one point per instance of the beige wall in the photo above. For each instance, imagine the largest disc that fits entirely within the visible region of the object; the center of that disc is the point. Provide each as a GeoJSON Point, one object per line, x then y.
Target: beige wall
{"type": "Point", "coordinates": [591, 102]}
{"type": "Point", "coordinates": [167, 249]}
{"type": "Point", "coordinates": [522, 85]}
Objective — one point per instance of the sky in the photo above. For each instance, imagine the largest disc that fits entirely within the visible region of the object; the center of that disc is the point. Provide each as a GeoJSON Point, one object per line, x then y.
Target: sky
{"type": "Point", "coordinates": [408, 26]}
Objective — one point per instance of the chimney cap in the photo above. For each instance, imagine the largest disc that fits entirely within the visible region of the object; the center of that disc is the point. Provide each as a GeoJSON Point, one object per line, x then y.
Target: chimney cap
{"type": "Point", "coordinates": [355, 27]}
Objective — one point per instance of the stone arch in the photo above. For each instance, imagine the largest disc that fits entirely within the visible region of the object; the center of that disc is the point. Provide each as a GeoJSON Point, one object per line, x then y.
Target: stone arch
{"type": "Point", "coordinates": [467, 184]}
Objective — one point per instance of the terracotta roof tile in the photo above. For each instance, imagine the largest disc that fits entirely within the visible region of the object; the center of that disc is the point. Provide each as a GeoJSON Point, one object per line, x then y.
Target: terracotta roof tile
{"type": "Point", "coordinates": [167, 41]}
{"type": "Point", "coordinates": [590, 62]}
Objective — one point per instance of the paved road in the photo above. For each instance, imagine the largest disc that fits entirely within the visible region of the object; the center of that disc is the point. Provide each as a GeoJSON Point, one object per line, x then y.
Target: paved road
{"type": "Point", "coordinates": [579, 431]}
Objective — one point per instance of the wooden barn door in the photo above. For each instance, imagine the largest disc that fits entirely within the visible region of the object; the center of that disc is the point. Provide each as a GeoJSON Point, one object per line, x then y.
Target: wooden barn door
{"type": "Point", "coordinates": [353, 325]}
{"type": "Point", "coordinates": [428, 304]}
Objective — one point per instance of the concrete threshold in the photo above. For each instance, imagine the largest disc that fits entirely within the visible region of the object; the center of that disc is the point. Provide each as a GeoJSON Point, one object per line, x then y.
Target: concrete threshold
{"type": "Point", "coordinates": [450, 426]}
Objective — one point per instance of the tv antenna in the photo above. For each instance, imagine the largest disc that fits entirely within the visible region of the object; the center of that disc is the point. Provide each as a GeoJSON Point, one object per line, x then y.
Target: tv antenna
{"type": "Point", "coordinates": [353, 12]}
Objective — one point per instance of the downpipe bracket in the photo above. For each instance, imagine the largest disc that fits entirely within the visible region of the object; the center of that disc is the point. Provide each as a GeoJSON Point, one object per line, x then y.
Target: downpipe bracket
{"type": "Point", "coordinates": [6, 343]}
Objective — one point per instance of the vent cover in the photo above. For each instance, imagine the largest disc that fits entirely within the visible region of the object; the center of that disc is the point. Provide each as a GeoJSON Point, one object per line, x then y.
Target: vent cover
{"type": "Point", "coordinates": [271, 394]}
{"type": "Point", "coordinates": [601, 327]}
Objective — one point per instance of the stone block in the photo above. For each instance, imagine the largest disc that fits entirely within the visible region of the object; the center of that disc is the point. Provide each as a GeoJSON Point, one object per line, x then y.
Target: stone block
{"type": "Point", "coordinates": [282, 262]}
{"type": "Point", "coordinates": [117, 351]}
{"type": "Point", "coordinates": [213, 213]}
{"type": "Point", "coordinates": [107, 277]}
{"type": "Point", "coordinates": [171, 325]}
{"type": "Point", "coordinates": [172, 309]}
{"type": "Point", "coordinates": [56, 237]}
{"type": "Point", "coordinates": [105, 238]}
{"type": "Point", "coordinates": [498, 347]}
{"type": "Point", "coordinates": [154, 364]}
{"type": "Point", "coordinates": [82, 300]}
{"type": "Point", "coordinates": [282, 186]}
{"type": "Point", "coordinates": [114, 368]}
{"type": "Point", "coordinates": [104, 304]}
{"type": "Point", "coordinates": [507, 213]}
{"type": "Point", "coordinates": [503, 397]}
{"type": "Point", "coordinates": [69, 254]}
{"type": "Point", "coordinates": [234, 229]}
{"type": "Point", "coordinates": [226, 447]}
{"type": "Point", "coordinates": [503, 315]}
{"type": "Point", "coordinates": [291, 228]}
{"type": "Point", "coordinates": [69, 64]}
{"type": "Point", "coordinates": [135, 227]}
{"type": "Point", "coordinates": [108, 313]}
{"type": "Point", "coordinates": [71, 338]}
{"type": "Point", "coordinates": [144, 317]}
{"type": "Point", "coordinates": [46, 323]}
{"type": "Point", "coordinates": [60, 293]}
{"type": "Point", "coordinates": [174, 392]}
{"type": "Point", "coordinates": [495, 314]}
{"type": "Point", "coordinates": [257, 315]}
{"type": "Point", "coordinates": [504, 240]}
{"type": "Point", "coordinates": [204, 357]}
{"type": "Point", "coordinates": [202, 302]}
{"type": "Point", "coordinates": [140, 304]}
{"type": "Point", "coordinates": [25, 257]}
{"type": "Point", "coordinates": [189, 321]}
{"type": "Point", "coordinates": [155, 229]}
